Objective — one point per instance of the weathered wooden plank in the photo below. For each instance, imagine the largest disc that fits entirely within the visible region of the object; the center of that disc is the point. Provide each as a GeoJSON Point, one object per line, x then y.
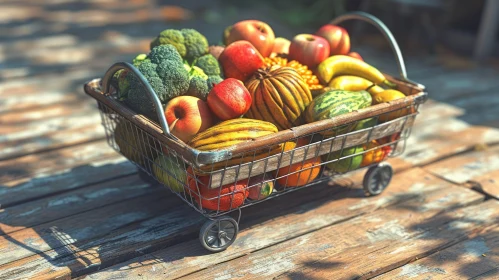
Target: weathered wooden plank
{"type": "Point", "coordinates": [369, 245]}
{"type": "Point", "coordinates": [29, 167]}
{"type": "Point", "coordinates": [69, 203]}
{"type": "Point", "coordinates": [167, 229]}
{"type": "Point", "coordinates": [433, 110]}
{"type": "Point", "coordinates": [480, 168]}
{"type": "Point", "coordinates": [50, 141]}
{"type": "Point", "coordinates": [19, 131]}
{"type": "Point", "coordinates": [476, 258]}
{"type": "Point", "coordinates": [60, 180]}
{"type": "Point", "coordinates": [183, 259]}
{"type": "Point", "coordinates": [425, 144]}
{"type": "Point", "coordinates": [84, 226]}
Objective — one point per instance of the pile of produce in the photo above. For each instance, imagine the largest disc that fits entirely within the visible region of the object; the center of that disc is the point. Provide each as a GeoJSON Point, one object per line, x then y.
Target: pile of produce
{"type": "Point", "coordinates": [254, 85]}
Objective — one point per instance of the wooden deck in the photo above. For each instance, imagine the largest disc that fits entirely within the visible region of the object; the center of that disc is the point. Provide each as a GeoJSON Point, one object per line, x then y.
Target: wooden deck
{"type": "Point", "coordinates": [72, 207]}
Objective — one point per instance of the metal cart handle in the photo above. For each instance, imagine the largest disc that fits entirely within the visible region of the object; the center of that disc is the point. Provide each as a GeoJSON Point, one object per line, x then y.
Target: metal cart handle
{"type": "Point", "coordinates": [384, 30]}
{"type": "Point", "coordinates": [106, 83]}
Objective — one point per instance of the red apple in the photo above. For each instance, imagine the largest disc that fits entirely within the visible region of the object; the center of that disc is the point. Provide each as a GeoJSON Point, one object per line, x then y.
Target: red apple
{"type": "Point", "coordinates": [356, 55]}
{"type": "Point", "coordinates": [258, 33]}
{"type": "Point", "coordinates": [308, 49]}
{"type": "Point", "coordinates": [187, 116]}
{"type": "Point", "coordinates": [339, 41]}
{"type": "Point", "coordinates": [281, 45]}
{"type": "Point", "coordinates": [229, 99]}
{"type": "Point", "coordinates": [240, 60]}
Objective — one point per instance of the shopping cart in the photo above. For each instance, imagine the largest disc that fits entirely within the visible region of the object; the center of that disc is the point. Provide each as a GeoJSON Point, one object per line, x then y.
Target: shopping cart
{"type": "Point", "coordinates": [216, 183]}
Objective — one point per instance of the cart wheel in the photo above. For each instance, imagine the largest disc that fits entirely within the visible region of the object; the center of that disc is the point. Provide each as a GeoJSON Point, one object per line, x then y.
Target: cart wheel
{"type": "Point", "coordinates": [217, 235]}
{"type": "Point", "coordinates": [377, 178]}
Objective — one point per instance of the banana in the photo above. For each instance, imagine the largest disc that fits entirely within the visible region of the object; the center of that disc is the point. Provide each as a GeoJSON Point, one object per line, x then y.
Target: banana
{"type": "Point", "coordinates": [354, 83]}
{"type": "Point", "coordinates": [338, 65]}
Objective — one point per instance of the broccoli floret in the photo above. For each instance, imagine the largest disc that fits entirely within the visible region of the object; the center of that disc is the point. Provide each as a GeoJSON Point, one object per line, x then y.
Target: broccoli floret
{"type": "Point", "coordinates": [196, 71]}
{"type": "Point", "coordinates": [209, 64]}
{"type": "Point", "coordinates": [139, 59]}
{"type": "Point", "coordinates": [212, 81]}
{"type": "Point", "coordinates": [119, 78]}
{"type": "Point", "coordinates": [190, 44]}
{"type": "Point", "coordinates": [173, 37]}
{"type": "Point", "coordinates": [165, 72]}
{"type": "Point", "coordinates": [198, 87]}
{"type": "Point", "coordinates": [164, 52]}
{"type": "Point", "coordinates": [195, 44]}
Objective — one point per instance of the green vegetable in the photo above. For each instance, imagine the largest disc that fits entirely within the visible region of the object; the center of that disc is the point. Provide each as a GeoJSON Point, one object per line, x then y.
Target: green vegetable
{"type": "Point", "coordinates": [189, 43]}
{"type": "Point", "coordinates": [209, 64]}
{"type": "Point", "coordinates": [347, 164]}
{"type": "Point", "coordinates": [119, 78]}
{"type": "Point", "coordinates": [139, 59]}
{"type": "Point", "coordinates": [198, 86]}
{"type": "Point", "coordinates": [164, 70]}
{"type": "Point", "coordinates": [173, 37]}
{"type": "Point", "coordinates": [195, 43]}
{"type": "Point", "coordinates": [212, 81]}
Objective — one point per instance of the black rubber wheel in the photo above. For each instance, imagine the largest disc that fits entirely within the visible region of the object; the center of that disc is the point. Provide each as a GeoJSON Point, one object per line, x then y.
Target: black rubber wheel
{"type": "Point", "coordinates": [217, 235]}
{"type": "Point", "coordinates": [377, 178]}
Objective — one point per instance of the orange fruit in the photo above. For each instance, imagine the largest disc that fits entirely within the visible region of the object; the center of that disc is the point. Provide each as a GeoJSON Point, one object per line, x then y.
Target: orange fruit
{"type": "Point", "coordinates": [306, 172]}
{"type": "Point", "coordinates": [376, 155]}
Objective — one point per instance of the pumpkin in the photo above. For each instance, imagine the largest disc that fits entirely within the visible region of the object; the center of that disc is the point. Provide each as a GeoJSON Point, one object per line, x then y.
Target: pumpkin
{"type": "Point", "coordinates": [280, 96]}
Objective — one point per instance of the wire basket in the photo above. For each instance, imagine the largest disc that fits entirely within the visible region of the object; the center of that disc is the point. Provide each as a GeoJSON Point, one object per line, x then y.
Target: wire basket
{"type": "Point", "coordinates": [218, 182]}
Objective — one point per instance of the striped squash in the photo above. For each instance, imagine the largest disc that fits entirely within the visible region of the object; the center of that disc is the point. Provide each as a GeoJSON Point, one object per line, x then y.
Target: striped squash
{"type": "Point", "coordinates": [231, 132]}
{"type": "Point", "coordinates": [280, 95]}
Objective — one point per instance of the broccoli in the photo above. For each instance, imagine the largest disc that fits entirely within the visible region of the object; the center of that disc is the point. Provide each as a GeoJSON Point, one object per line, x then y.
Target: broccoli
{"type": "Point", "coordinates": [198, 85]}
{"type": "Point", "coordinates": [165, 72]}
{"type": "Point", "coordinates": [209, 64]}
{"type": "Point", "coordinates": [119, 78]}
{"type": "Point", "coordinates": [173, 37]}
{"type": "Point", "coordinates": [212, 81]}
{"type": "Point", "coordinates": [198, 88]}
{"type": "Point", "coordinates": [139, 59]}
{"type": "Point", "coordinates": [189, 43]}
{"type": "Point", "coordinates": [195, 43]}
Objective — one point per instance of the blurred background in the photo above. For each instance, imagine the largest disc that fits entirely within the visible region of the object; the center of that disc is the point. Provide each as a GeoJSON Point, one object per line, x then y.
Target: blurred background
{"type": "Point", "coordinates": [81, 39]}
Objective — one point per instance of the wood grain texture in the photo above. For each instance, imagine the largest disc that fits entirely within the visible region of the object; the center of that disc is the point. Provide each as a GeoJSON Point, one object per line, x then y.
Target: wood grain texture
{"type": "Point", "coordinates": [51, 141]}
{"type": "Point", "coordinates": [476, 258]}
{"type": "Point", "coordinates": [479, 168]}
{"type": "Point", "coordinates": [312, 251]}
{"type": "Point", "coordinates": [66, 204]}
{"type": "Point", "coordinates": [28, 167]}
{"type": "Point", "coordinates": [306, 213]}
{"type": "Point", "coordinates": [51, 239]}
{"type": "Point", "coordinates": [408, 188]}
{"type": "Point", "coordinates": [445, 230]}
{"type": "Point", "coordinates": [57, 181]}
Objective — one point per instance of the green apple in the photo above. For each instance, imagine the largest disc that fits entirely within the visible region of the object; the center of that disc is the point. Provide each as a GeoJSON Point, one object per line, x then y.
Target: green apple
{"type": "Point", "coordinates": [345, 165]}
{"type": "Point", "coordinates": [169, 171]}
